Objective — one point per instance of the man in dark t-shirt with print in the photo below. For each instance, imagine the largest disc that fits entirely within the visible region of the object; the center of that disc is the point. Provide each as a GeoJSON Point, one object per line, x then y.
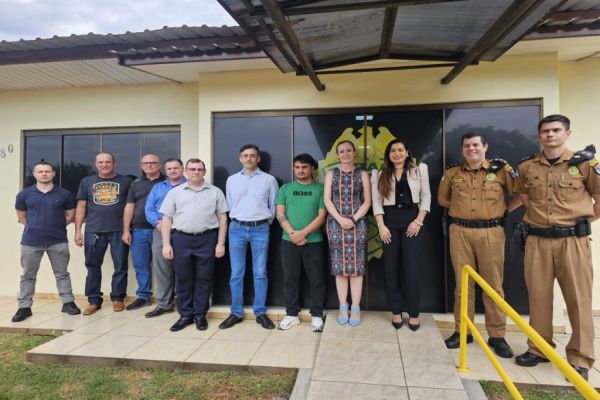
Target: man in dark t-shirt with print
{"type": "Point", "coordinates": [100, 202]}
{"type": "Point", "coordinates": [44, 210]}
{"type": "Point", "coordinates": [301, 213]}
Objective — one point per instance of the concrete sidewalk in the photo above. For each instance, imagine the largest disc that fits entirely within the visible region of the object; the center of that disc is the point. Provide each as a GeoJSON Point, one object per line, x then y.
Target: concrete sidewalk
{"type": "Point", "coordinates": [372, 360]}
{"type": "Point", "coordinates": [376, 361]}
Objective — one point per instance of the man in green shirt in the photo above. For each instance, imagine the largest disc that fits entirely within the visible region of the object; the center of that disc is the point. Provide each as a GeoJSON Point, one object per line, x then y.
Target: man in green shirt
{"type": "Point", "coordinates": [301, 213]}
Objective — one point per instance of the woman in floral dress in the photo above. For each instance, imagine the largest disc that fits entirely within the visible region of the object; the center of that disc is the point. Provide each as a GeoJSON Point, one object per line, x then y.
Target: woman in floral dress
{"type": "Point", "coordinates": [347, 198]}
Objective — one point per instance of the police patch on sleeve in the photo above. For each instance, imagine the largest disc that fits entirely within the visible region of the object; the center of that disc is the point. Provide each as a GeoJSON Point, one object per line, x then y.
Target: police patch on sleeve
{"type": "Point", "coordinates": [510, 171]}
{"type": "Point", "coordinates": [595, 164]}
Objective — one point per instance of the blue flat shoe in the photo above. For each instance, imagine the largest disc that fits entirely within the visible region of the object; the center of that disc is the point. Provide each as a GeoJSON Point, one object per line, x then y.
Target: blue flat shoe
{"type": "Point", "coordinates": [343, 320]}
{"type": "Point", "coordinates": [354, 322]}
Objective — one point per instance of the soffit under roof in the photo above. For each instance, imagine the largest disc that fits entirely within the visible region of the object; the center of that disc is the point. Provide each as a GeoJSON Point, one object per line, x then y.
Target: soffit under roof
{"type": "Point", "coordinates": [305, 36]}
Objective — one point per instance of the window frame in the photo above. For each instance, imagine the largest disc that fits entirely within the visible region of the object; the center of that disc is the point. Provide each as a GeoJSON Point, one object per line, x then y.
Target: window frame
{"type": "Point", "coordinates": [62, 132]}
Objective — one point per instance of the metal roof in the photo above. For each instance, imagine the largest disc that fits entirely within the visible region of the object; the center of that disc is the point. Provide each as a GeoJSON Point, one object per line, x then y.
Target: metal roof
{"type": "Point", "coordinates": [205, 41]}
{"type": "Point", "coordinates": [307, 36]}
{"type": "Point", "coordinates": [573, 18]}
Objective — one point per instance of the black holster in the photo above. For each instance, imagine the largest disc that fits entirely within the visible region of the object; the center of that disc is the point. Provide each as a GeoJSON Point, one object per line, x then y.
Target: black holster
{"type": "Point", "coordinates": [583, 227]}
{"type": "Point", "coordinates": [521, 231]}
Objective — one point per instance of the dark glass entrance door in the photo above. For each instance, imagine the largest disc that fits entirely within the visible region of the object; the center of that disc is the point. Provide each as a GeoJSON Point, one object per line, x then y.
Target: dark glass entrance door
{"type": "Point", "coordinates": [433, 134]}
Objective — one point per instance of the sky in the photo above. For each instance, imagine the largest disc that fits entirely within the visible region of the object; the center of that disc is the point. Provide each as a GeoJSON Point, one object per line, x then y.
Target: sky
{"type": "Point", "coordinates": [30, 19]}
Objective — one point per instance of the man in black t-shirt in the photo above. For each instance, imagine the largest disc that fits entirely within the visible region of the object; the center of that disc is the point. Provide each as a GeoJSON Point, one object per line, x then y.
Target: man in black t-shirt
{"type": "Point", "coordinates": [45, 210]}
{"type": "Point", "coordinates": [137, 232]}
{"type": "Point", "coordinates": [100, 201]}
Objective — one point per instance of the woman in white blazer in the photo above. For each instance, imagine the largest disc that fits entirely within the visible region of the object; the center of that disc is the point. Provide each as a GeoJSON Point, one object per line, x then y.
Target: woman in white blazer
{"type": "Point", "coordinates": [401, 201]}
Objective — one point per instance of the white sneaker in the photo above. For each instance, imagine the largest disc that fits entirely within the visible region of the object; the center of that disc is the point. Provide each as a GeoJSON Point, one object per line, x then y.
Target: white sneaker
{"type": "Point", "coordinates": [317, 324]}
{"type": "Point", "coordinates": [288, 322]}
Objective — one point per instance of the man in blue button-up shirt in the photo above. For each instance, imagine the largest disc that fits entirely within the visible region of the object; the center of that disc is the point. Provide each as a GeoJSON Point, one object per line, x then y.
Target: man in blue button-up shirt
{"type": "Point", "coordinates": [163, 268]}
{"type": "Point", "coordinates": [251, 197]}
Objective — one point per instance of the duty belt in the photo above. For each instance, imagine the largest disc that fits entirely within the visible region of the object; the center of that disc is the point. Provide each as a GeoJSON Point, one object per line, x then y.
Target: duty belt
{"type": "Point", "coordinates": [554, 232]}
{"type": "Point", "coordinates": [250, 223]}
{"type": "Point", "coordinates": [476, 223]}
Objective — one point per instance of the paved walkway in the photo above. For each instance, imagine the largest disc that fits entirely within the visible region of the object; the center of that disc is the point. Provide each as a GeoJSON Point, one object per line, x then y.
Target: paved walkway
{"type": "Point", "coordinates": [370, 361]}
{"type": "Point", "coordinates": [374, 361]}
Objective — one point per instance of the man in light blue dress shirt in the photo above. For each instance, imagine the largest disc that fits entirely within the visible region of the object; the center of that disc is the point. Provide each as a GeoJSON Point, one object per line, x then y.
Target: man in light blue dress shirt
{"type": "Point", "coordinates": [251, 197]}
{"type": "Point", "coordinates": [163, 268]}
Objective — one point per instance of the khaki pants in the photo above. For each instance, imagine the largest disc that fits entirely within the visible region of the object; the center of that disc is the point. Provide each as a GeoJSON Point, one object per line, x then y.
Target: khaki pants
{"type": "Point", "coordinates": [569, 260]}
{"type": "Point", "coordinates": [482, 249]}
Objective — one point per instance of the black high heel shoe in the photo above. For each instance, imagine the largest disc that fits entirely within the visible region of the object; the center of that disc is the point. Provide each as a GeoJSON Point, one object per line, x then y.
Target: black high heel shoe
{"type": "Point", "coordinates": [414, 327]}
{"type": "Point", "coordinates": [397, 325]}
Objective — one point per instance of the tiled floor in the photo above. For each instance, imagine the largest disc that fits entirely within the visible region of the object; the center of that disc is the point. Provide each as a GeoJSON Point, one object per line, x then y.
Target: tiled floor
{"type": "Point", "coordinates": [369, 361]}
{"type": "Point", "coordinates": [128, 338]}
{"type": "Point", "coordinates": [374, 361]}
{"type": "Point", "coordinates": [543, 374]}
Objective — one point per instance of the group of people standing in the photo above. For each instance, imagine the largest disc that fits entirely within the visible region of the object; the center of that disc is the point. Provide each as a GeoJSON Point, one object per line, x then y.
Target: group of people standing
{"type": "Point", "coordinates": [180, 226]}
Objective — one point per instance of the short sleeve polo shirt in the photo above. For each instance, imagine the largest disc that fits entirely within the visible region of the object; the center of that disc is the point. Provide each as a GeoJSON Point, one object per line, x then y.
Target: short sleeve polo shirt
{"type": "Point", "coordinates": [194, 210]}
{"type": "Point", "coordinates": [45, 215]}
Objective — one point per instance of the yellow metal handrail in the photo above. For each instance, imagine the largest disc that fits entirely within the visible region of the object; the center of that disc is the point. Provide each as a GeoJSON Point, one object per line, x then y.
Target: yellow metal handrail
{"type": "Point", "coordinates": [580, 384]}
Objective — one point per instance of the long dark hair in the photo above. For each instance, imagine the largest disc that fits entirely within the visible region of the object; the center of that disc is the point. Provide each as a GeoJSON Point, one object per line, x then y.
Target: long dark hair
{"type": "Point", "coordinates": [384, 184]}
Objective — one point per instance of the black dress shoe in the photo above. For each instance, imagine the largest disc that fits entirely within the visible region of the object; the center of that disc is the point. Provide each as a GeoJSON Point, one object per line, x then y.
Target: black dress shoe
{"type": "Point", "coordinates": [138, 303]}
{"type": "Point", "coordinates": [70, 308]}
{"type": "Point", "coordinates": [201, 323]}
{"type": "Point", "coordinates": [453, 342]}
{"type": "Point", "coordinates": [181, 323]}
{"type": "Point", "coordinates": [397, 325]}
{"type": "Point", "coordinates": [22, 314]}
{"type": "Point", "coordinates": [528, 359]}
{"type": "Point", "coordinates": [157, 312]}
{"type": "Point", "coordinates": [581, 371]}
{"type": "Point", "coordinates": [230, 321]}
{"type": "Point", "coordinates": [501, 348]}
{"type": "Point", "coordinates": [265, 322]}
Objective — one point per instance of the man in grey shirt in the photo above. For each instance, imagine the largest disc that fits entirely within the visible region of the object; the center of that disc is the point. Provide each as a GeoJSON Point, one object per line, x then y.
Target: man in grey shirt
{"type": "Point", "coordinates": [193, 229]}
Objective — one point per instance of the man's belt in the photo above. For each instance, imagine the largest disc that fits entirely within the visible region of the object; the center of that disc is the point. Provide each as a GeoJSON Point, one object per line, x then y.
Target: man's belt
{"type": "Point", "coordinates": [196, 233]}
{"type": "Point", "coordinates": [582, 227]}
{"type": "Point", "coordinates": [475, 223]}
{"type": "Point", "coordinates": [250, 223]}
{"type": "Point", "coordinates": [555, 232]}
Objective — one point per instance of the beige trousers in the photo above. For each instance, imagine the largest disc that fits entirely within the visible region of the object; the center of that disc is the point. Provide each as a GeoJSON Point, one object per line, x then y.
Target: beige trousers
{"type": "Point", "coordinates": [569, 260]}
{"type": "Point", "coordinates": [482, 249]}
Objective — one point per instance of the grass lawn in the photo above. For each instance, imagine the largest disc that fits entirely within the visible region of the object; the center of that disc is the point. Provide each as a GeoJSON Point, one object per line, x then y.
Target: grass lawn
{"type": "Point", "coordinates": [497, 391]}
{"type": "Point", "coordinates": [22, 380]}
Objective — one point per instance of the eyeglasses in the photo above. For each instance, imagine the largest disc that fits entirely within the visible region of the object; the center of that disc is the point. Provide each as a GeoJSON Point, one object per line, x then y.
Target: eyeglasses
{"type": "Point", "coordinates": [195, 169]}
{"type": "Point", "coordinates": [149, 162]}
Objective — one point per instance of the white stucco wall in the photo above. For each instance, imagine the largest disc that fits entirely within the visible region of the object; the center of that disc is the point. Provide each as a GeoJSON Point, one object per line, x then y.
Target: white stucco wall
{"type": "Point", "coordinates": [579, 91]}
{"type": "Point", "coordinates": [564, 87]}
{"type": "Point", "coordinates": [115, 106]}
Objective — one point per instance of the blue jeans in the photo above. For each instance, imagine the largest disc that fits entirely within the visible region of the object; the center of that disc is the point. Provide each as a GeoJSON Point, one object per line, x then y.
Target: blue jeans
{"type": "Point", "coordinates": [141, 255]}
{"type": "Point", "coordinates": [95, 246]}
{"type": "Point", "coordinates": [239, 237]}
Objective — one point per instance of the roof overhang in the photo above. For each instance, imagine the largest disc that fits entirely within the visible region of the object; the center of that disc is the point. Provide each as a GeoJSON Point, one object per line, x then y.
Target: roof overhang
{"type": "Point", "coordinates": [309, 36]}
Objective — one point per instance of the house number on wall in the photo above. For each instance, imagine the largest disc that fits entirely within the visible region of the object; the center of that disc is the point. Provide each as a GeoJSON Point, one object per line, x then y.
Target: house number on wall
{"type": "Point", "coordinates": [4, 151]}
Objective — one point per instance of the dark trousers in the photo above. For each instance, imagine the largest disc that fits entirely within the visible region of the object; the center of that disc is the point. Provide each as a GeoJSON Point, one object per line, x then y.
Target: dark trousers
{"type": "Point", "coordinates": [95, 246]}
{"type": "Point", "coordinates": [194, 260]}
{"type": "Point", "coordinates": [311, 256]}
{"type": "Point", "coordinates": [402, 275]}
